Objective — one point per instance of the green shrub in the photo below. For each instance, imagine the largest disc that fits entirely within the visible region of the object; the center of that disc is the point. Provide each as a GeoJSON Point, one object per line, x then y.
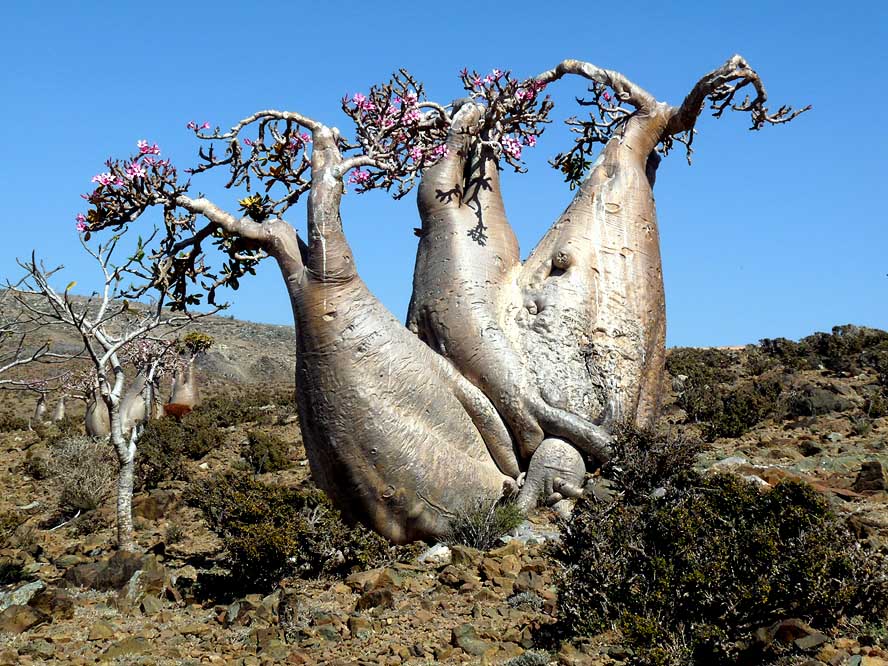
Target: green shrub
{"type": "Point", "coordinates": [480, 524]}
{"type": "Point", "coordinates": [10, 422]}
{"type": "Point", "coordinates": [876, 404]}
{"type": "Point", "coordinates": [264, 452]}
{"type": "Point", "coordinates": [689, 572]}
{"type": "Point", "coordinates": [271, 531]}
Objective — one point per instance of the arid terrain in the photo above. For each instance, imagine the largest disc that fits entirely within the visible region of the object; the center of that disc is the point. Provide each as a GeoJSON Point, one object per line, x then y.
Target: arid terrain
{"type": "Point", "coordinates": [68, 598]}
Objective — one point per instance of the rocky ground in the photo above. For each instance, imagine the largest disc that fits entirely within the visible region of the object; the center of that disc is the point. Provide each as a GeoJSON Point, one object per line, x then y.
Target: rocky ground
{"type": "Point", "coordinates": [75, 601]}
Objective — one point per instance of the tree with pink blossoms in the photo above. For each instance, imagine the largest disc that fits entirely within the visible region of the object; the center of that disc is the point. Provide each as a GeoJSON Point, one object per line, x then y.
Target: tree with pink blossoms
{"type": "Point", "coordinates": [509, 375]}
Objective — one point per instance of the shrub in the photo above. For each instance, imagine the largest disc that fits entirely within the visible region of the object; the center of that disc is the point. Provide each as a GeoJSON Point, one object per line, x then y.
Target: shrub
{"type": "Point", "coordinates": [271, 531]}
{"type": "Point", "coordinates": [264, 452]}
{"type": "Point", "coordinates": [9, 522]}
{"type": "Point", "coordinates": [480, 524]}
{"type": "Point", "coordinates": [10, 422]}
{"type": "Point", "coordinates": [688, 573]}
{"type": "Point", "coordinates": [84, 470]}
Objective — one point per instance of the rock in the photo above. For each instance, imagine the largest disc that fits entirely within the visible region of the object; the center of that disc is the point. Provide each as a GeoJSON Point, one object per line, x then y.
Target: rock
{"type": "Point", "coordinates": [834, 437]}
{"type": "Point", "coordinates": [150, 605]}
{"type": "Point", "coordinates": [194, 629]}
{"type": "Point", "coordinates": [156, 504]}
{"type": "Point", "coordinates": [872, 477]}
{"type": "Point", "coordinates": [9, 657]}
{"type": "Point", "coordinates": [464, 556]}
{"type": "Point", "coordinates": [359, 627]}
{"type": "Point", "coordinates": [362, 581]}
{"type": "Point", "coordinates": [811, 641]}
{"type": "Point", "coordinates": [569, 655]}
{"type": "Point", "coordinates": [21, 595]}
{"type": "Point", "coordinates": [100, 631]}
{"type": "Point", "coordinates": [378, 598]}
{"type": "Point", "coordinates": [39, 648]}
{"type": "Point", "coordinates": [438, 555]}
{"type": "Point", "coordinates": [529, 581]}
{"type": "Point", "coordinates": [790, 630]}
{"type": "Point", "coordinates": [110, 574]}
{"type": "Point", "coordinates": [465, 637]}
{"type": "Point", "coordinates": [457, 576]}
{"type": "Point", "coordinates": [18, 618]}
{"type": "Point", "coordinates": [128, 646]}
{"type": "Point", "coordinates": [55, 602]}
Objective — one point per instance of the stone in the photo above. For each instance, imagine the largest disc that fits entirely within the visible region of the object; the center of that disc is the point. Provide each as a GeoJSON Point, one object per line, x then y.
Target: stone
{"type": "Point", "coordinates": [40, 648]}
{"type": "Point", "coordinates": [872, 477]}
{"type": "Point", "coordinates": [457, 576]}
{"type": "Point", "coordinates": [19, 618]}
{"type": "Point", "coordinates": [378, 598]}
{"type": "Point", "coordinates": [359, 627]}
{"type": "Point", "coordinates": [194, 629]}
{"type": "Point", "coordinates": [790, 630]}
{"type": "Point", "coordinates": [363, 580]}
{"type": "Point", "coordinates": [811, 641]}
{"type": "Point", "coordinates": [55, 602]}
{"type": "Point", "coordinates": [150, 605]}
{"type": "Point", "coordinates": [438, 555]}
{"type": "Point", "coordinates": [127, 646]}
{"type": "Point", "coordinates": [529, 581]}
{"type": "Point", "coordinates": [110, 574]}
{"type": "Point", "coordinates": [465, 556]}
{"type": "Point", "coordinates": [21, 595]}
{"type": "Point", "coordinates": [9, 657]}
{"type": "Point", "coordinates": [156, 504]}
{"type": "Point", "coordinates": [466, 638]}
{"type": "Point", "coordinates": [100, 631]}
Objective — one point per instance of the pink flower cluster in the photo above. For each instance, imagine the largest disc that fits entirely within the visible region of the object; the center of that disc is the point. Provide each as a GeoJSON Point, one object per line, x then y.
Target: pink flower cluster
{"type": "Point", "coordinates": [479, 82]}
{"type": "Point", "coordinates": [81, 222]}
{"type": "Point", "coordinates": [146, 149]}
{"type": "Point", "coordinates": [194, 126]}
{"type": "Point", "coordinates": [512, 146]}
{"type": "Point", "coordinates": [106, 178]}
{"type": "Point", "coordinates": [361, 101]}
{"type": "Point", "coordinates": [359, 177]}
{"type": "Point", "coordinates": [135, 170]}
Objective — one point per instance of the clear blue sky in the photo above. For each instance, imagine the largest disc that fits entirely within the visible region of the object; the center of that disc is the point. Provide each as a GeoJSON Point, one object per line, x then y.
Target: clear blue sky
{"type": "Point", "coordinates": [775, 233]}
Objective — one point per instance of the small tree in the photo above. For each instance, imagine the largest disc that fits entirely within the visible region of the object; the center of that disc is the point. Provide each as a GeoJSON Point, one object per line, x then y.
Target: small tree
{"type": "Point", "coordinates": [113, 330]}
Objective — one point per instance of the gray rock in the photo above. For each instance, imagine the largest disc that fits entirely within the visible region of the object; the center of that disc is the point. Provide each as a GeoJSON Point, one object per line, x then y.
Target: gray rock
{"type": "Point", "coordinates": [21, 595]}
{"type": "Point", "coordinates": [438, 555]}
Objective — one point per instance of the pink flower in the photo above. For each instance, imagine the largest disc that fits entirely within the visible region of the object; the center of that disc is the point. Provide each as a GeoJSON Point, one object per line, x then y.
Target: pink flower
{"type": "Point", "coordinates": [81, 222]}
{"type": "Point", "coordinates": [489, 79]}
{"type": "Point", "coordinates": [440, 151]}
{"type": "Point", "coordinates": [247, 142]}
{"type": "Point", "coordinates": [476, 82]}
{"type": "Point", "coordinates": [411, 116]}
{"type": "Point", "coordinates": [530, 140]}
{"type": "Point", "coordinates": [145, 149]}
{"type": "Point", "coordinates": [103, 178]}
{"type": "Point", "coordinates": [416, 153]}
{"type": "Point", "coordinates": [512, 146]}
{"type": "Point", "coordinates": [359, 177]}
{"type": "Point", "coordinates": [359, 99]}
{"type": "Point", "coordinates": [134, 170]}
{"type": "Point", "coordinates": [191, 125]}
{"type": "Point", "coordinates": [496, 74]}
{"type": "Point", "coordinates": [206, 125]}
{"type": "Point", "coordinates": [306, 137]}
{"type": "Point", "coordinates": [607, 96]}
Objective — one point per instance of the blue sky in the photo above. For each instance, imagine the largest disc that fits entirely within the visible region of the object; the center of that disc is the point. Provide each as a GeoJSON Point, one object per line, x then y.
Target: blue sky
{"type": "Point", "coordinates": [775, 233]}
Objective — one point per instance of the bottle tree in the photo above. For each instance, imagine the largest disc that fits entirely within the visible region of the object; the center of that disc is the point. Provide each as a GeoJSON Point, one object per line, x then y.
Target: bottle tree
{"type": "Point", "coordinates": [509, 375]}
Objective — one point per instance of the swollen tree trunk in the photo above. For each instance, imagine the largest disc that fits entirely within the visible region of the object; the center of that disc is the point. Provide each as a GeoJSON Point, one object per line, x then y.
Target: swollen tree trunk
{"type": "Point", "coordinates": [59, 413]}
{"type": "Point", "coordinates": [97, 421]}
{"type": "Point", "coordinates": [184, 393]}
{"type": "Point", "coordinates": [125, 448]}
{"type": "Point", "coordinates": [467, 300]}
{"type": "Point", "coordinates": [393, 433]}
{"type": "Point", "coordinates": [594, 320]}
{"type": "Point", "coordinates": [40, 409]}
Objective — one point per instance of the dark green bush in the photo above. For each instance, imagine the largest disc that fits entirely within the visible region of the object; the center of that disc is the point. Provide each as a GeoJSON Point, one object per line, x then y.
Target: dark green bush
{"type": "Point", "coordinates": [480, 524]}
{"type": "Point", "coordinates": [264, 452]}
{"type": "Point", "coordinates": [847, 349]}
{"type": "Point", "coordinates": [689, 572]}
{"type": "Point", "coordinates": [271, 531]}
{"type": "Point", "coordinates": [9, 422]}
